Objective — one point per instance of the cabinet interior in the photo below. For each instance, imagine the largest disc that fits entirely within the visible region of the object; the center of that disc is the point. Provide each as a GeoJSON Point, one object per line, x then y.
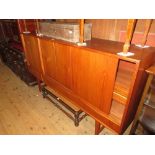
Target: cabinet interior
{"type": "Point", "coordinates": [125, 72]}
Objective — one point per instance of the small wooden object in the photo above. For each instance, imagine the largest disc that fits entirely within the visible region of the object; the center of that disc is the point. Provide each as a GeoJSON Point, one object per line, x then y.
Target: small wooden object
{"type": "Point", "coordinates": [130, 30]}
{"type": "Point", "coordinates": [147, 28]}
{"type": "Point", "coordinates": [25, 25]}
{"type": "Point", "coordinates": [65, 31]}
{"type": "Point", "coordinates": [37, 25]}
{"type": "Point", "coordinates": [81, 39]}
{"type": "Point", "coordinates": [82, 30]}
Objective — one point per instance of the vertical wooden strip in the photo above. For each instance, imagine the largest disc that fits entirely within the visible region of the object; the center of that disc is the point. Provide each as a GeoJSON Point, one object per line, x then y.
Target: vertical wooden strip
{"type": "Point", "coordinates": [25, 27]}
{"type": "Point", "coordinates": [25, 53]}
{"type": "Point", "coordinates": [81, 30]}
{"type": "Point", "coordinates": [37, 25]}
{"type": "Point", "coordinates": [114, 30]}
{"type": "Point", "coordinates": [41, 57]}
{"type": "Point", "coordinates": [129, 34]}
{"type": "Point", "coordinates": [147, 28]}
{"type": "Point", "coordinates": [19, 25]}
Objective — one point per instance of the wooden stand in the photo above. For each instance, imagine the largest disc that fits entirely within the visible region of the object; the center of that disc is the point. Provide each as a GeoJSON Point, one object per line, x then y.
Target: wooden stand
{"type": "Point", "coordinates": [70, 110]}
{"type": "Point", "coordinates": [151, 72]}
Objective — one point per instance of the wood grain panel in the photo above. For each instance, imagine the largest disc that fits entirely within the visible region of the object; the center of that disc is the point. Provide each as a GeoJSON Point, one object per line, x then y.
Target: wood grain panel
{"type": "Point", "coordinates": [102, 28]}
{"type": "Point", "coordinates": [107, 120]}
{"type": "Point", "coordinates": [92, 80]}
{"type": "Point", "coordinates": [32, 55]}
{"type": "Point", "coordinates": [56, 61]}
{"type": "Point", "coordinates": [48, 58]}
{"type": "Point", "coordinates": [86, 75]}
{"type": "Point", "coordinates": [110, 28]}
{"type": "Point", "coordinates": [63, 65]}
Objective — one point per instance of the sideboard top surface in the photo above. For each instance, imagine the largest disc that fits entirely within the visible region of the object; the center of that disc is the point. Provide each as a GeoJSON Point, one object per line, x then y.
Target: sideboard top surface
{"type": "Point", "coordinates": [109, 47]}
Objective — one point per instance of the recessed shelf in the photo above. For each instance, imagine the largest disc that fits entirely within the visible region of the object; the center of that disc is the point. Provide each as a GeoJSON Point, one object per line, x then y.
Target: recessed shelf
{"type": "Point", "coordinates": [123, 81]}
{"type": "Point", "coordinates": [117, 110]}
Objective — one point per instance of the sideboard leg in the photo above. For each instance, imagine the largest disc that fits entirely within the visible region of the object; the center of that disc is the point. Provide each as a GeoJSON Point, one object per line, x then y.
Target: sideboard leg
{"type": "Point", "coordinates": [97, 128]}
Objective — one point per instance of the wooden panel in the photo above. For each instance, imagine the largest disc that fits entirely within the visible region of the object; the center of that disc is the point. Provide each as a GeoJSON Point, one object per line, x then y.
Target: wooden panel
{"type": "Point", "coordinates": [32, 55]}
{"type": "Point", "coordinates": [86, 75]}
{"type": "Point", "coordinates": [92, 80]}
{"type": "Point", "coordinates": [134, 94]}
{"type": "Point", "coordinates": [110, 28]}
{"type": "Point", "coordinates": [117, 111]}
{"type": "Point", "coordinates": [107, 120]}
{"type": "Point", "coordinates": [63, 66]}
{"type": "Point", "coordinates": [137, 38]}
{"type": "Point", "coordinates": [102, 28]}
{"type": "Point", "coordinates": [56, 61]}
{"type": "Point", "coordinates": [68, 20]}
{"type": "Point", "coordinates": [123, 81]}
{"type": "Point", "coordinates": [48, 58]}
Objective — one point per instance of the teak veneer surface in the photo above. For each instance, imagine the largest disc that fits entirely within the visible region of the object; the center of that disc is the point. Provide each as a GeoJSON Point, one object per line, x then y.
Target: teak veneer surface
{"type": "Point", "coordinates": [94, 78]}
{"type": "Point", "coordinates": [108, 47]}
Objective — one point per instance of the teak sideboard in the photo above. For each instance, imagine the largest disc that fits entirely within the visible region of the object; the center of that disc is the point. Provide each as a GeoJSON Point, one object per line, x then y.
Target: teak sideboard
{"type": "Point", "coordinates": [103, 84]}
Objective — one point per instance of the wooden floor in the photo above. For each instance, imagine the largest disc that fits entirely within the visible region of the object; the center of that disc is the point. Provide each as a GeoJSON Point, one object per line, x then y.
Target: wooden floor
{"type": "Point", "coordinates": [24, 111]}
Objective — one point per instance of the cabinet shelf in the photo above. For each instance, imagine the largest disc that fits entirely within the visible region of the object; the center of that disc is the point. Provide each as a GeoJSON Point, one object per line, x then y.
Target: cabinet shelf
{"type": "Point", "coordinates": [117, 110]}
{"type": "Point", "coordinates": [123, 81]}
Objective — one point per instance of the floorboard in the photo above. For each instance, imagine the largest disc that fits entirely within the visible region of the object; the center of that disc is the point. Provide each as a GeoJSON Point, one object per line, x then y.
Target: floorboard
{"type": "Point", "coordinates": [24, 111]}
